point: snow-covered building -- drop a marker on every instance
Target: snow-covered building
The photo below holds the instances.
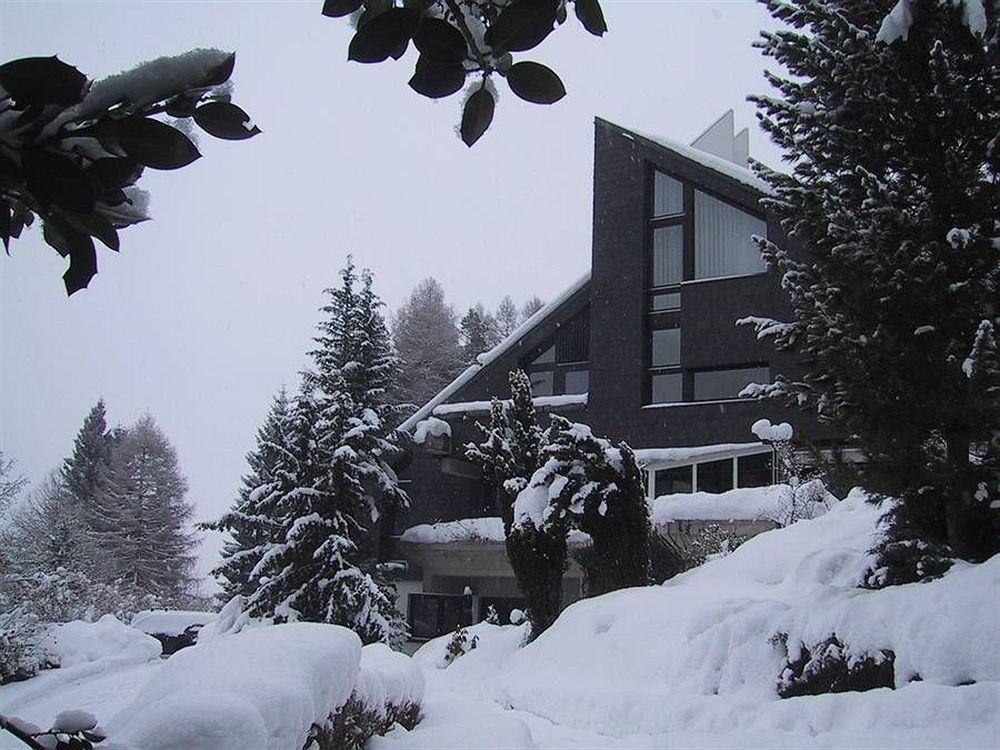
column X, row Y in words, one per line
column 643, row 347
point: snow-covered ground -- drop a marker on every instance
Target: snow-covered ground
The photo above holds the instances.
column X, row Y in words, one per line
column 692, row 663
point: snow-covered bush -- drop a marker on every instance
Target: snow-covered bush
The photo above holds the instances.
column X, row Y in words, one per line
column 71, row 730
column 829, row 667
column 264, row 688
column 459, row 645
column 107, row 640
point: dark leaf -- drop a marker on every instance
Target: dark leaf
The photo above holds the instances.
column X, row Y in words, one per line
column 477, row 115
column 114, row 198
column 377, row 39
column 155, row 144
column 591, row 16
column 115, row 173
column 535, row 83
column 5, row 224
column 440, row 42
column 42, row 80
column 96, row 226
column 183, row 105
column 372, row 9
column 338, row 8
column 522, row 25
column 436, row 81
column 400, row 50
column 221, row 72
column 56, row 180
column 225, row 120
column 21, row 217
column 82, row 263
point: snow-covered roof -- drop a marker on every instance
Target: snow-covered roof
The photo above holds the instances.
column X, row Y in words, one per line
column 472, row 407
column 487, row 357
column 690, row 454
column 705, row 159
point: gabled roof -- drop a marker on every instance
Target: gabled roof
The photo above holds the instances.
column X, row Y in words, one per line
column 486, row 358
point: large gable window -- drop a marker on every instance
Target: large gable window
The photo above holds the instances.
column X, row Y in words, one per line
column 560, row 365
column 723, row 244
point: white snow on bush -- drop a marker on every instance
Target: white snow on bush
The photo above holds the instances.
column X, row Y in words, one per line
column 108, row 640
column 774, row 433
column 695, row 657
column 539, row 402
column 489, row 529
column 432, row 426
column 231, row 619
column 171, row 622
column 774, row 503
column 388, row 678
column 261, row 688
column 897, row 23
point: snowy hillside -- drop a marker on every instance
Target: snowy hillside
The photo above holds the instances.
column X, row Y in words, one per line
column 696, row 660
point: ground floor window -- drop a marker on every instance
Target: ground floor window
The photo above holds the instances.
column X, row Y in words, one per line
column 715, row 476
column 431, row 615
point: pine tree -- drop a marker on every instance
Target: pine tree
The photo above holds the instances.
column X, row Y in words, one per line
column 479, row 332
column 251, row 523
column 507, row 317
column 84, row 472
column 596, row 487
column 321, row 562
column 144, row 508
column 892, row 203
column 426, row 340
column 509, row 455
column 530, row 307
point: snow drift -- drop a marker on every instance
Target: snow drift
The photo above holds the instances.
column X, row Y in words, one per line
column 261, row 688
column 699, row 655
column 106, row 641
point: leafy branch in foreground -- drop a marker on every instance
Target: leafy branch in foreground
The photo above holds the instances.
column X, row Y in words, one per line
column 457, row 39
column 72, row 150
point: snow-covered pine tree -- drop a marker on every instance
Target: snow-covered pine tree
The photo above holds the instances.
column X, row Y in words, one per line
column 323, row 564
column 596, row 487
column 84, row 472
column 252, row 521
column 144, row 508
column 890, row 125
column 479, row 332
column 509, row 455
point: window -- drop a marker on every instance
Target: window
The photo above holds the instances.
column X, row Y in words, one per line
column 668, row 195
column 666, row 347
column 431, row 615
column 672, row 481
column 545, row 358
column 541, row 383
column 754, row 471
column 722, row 239
column 667, row 388
column 717, row 385
column 576, row 381
column 715, row 476
column 668, row 255
column 664, row 302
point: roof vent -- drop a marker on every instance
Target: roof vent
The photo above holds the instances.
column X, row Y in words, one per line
column 720, row 139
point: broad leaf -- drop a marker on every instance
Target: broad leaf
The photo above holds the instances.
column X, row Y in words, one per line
column 338, row 8
column 440, row 42
column 5, row 224
column 436, row 81
column 154, row 143
column 477, row 115
column 56, row 180
column 221, row 72
column 42, row 80
column 96, row 226
column 183, row 105
column 378, row 38
column 535, row 83
column 225, row 120
column 522, row 25
column 591, row 16
column 80, row 249
column 115, row 173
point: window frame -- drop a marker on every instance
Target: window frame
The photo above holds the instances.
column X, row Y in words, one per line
column 733, row 458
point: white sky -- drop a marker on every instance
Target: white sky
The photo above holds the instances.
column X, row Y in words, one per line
column 210, row 307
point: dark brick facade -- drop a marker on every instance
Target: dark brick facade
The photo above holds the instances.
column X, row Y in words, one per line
column 623, row 164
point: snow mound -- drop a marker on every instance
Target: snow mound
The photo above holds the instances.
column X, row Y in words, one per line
column 171, row 622
column 432, row 426
column 489, row 529
column 494, row 644
column 261, row 688
column 456, row 722
column 231, row 619
column 774, row 503
column 388, row 678
column 108, row 641
column 699, row 654
column 774, row 433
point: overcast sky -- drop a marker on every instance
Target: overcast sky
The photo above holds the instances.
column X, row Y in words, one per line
column 209, row 308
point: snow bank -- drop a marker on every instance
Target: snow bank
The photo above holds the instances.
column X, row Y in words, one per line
column 774, row 503
column 261, row 688
column 696, row 656
column 107, row 640
column 171, row 622
column 432, row 426
column 388, row 679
